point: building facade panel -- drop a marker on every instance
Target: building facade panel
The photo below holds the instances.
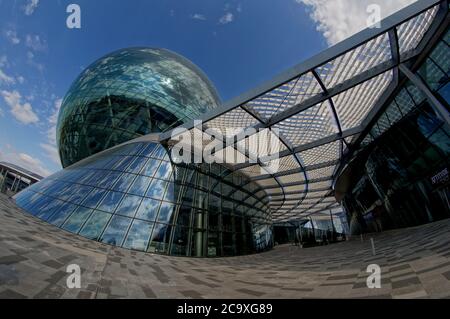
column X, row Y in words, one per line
column 400, row 176
column 134, row 197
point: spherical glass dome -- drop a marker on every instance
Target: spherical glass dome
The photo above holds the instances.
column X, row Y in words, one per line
column 127, row 94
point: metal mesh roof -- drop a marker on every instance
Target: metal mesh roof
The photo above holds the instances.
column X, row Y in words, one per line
column 317, row 107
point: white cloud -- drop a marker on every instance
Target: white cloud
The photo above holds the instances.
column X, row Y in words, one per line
column 198, row 16
column 6, row 79
column 20, row 79
column 340, row 19
column 24, row 160
column 35, row 42
column 227, row 18
column 12, row 37
column 50, row 147
column 52, row 121
column 30, row 61
column 33, row 164
column 29, row 8
column 57, row 107
column 22, row 112
column 51, row 153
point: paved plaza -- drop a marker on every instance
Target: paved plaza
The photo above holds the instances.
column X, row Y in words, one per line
column 34, row 257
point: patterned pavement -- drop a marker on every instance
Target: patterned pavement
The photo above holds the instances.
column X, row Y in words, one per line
column 34, row 256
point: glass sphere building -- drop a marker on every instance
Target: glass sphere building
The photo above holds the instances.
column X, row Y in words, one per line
column 127, row 94
column 129, row 193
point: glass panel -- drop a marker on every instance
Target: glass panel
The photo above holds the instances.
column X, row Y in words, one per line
column 116, row 230
column 214, row 203
column 160, row 153
column 110, row 202
column 136, row 148
column 139, row 235
column 96, row 177
column 170, row 193
column 404, row 102
column 137, row 165
column 77, row 219
column 38, row 202
column 415, row 93
column 180, row 241
column 95, row 225
column 53, row 205
column 441, row 55
column 78, row 193
column 445, row 92
column 431, row 74
column 148, row 209
column 148, row 150
column 64, row 191
column 129, row 205
column 213, row 244
column 123, row 165
column 201, row 199
column 150, row 168
column 393, row 113
column 109, row 180
column 140, row 185
column 234, row 119
column 22, row 197
column 411, row 32
column 226, row 223
column 164, row 171
column 228, row 244
column 166, row 213
column 184, row 216
column 160, row 239
column 94, row 198
column 355, row 104
column 156, row 189
column 213, row 221
column 360, row 59
column 124, row 182
column 310, row 125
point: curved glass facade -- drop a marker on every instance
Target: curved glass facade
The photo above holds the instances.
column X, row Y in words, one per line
column 134, row 197
column 400, row 177
column 127, row 94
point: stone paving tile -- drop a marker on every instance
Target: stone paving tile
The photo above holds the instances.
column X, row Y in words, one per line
column 34, row 255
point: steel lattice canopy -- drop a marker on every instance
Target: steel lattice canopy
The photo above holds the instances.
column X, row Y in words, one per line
column 318, row 108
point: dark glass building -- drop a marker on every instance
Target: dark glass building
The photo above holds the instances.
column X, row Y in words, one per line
column 399, row 176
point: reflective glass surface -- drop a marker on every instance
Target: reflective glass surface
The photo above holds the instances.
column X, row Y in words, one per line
column 142, row 201
column 126, row 94
column 401, row 173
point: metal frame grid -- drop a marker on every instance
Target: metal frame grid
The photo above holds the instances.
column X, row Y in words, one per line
column 317, row 108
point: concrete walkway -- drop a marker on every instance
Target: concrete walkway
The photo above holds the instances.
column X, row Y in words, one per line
column 34, row 257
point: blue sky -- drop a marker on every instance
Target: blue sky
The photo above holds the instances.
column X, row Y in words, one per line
column 238, row 44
